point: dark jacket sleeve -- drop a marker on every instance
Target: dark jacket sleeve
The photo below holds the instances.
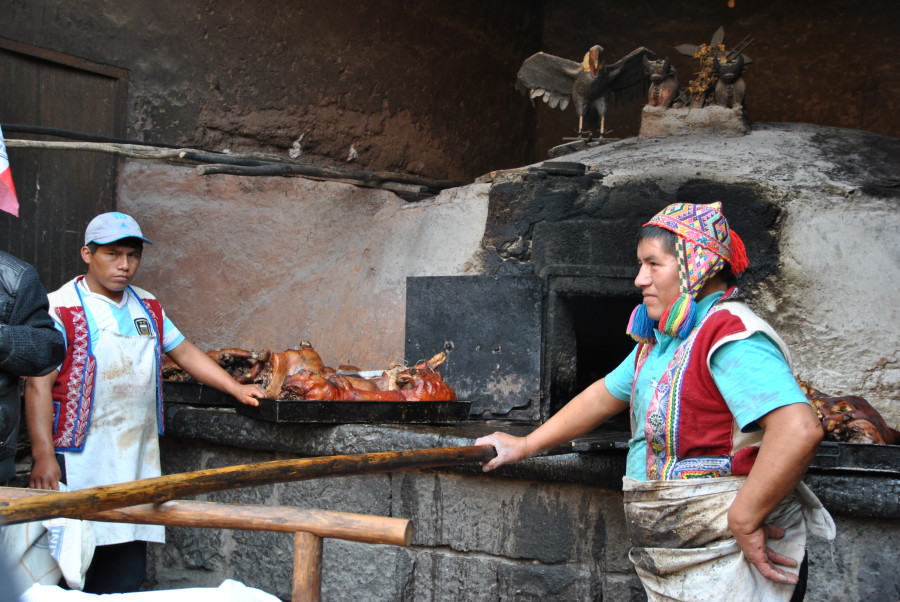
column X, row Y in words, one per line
column 30, row 345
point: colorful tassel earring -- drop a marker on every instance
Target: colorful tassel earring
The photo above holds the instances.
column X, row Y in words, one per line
column 640, row 326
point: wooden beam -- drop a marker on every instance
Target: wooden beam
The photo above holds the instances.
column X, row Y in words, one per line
column 160, row 489
column 247, row 165
column 286, row 519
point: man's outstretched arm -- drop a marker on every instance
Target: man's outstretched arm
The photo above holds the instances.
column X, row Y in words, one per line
column 203, row 368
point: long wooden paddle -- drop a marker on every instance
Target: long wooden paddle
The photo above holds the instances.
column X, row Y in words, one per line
column 160, row 489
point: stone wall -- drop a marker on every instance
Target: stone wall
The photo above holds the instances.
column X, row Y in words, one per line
column 550, row 528
column 475, row 538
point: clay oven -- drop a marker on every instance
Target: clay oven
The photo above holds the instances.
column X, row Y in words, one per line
column 550, row 318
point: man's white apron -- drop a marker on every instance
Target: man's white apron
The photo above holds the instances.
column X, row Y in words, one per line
column 122, row 442
column 683, row 549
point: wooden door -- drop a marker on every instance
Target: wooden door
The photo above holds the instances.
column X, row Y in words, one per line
column 59, row 191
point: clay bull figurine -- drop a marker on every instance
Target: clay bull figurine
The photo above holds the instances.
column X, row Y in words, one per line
column 663, row 82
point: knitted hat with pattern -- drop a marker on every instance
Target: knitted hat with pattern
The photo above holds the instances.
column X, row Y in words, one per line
column 705, row 244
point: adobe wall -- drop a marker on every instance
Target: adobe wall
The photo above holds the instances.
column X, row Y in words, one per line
column 813, row 62
column 410, row 87
column 269, row 262
column 427, row 88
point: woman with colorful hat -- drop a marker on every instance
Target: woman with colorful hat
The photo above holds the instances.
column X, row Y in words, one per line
column 721, row 432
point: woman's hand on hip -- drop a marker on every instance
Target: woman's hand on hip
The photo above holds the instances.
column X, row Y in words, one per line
column 764, row 558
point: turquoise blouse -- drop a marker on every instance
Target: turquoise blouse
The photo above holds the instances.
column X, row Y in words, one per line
column 736, row 367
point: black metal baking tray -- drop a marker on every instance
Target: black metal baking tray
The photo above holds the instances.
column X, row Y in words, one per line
column 195, row 394
column 324, row 412
column 862, row 457
column 366, row 412
column 832, row 456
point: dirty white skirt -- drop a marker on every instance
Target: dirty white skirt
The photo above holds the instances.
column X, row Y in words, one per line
column 683, row 549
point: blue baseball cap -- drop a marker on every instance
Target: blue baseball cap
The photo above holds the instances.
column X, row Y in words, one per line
column 112, row 226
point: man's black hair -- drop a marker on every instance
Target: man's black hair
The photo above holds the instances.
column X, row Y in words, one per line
column 669, row 239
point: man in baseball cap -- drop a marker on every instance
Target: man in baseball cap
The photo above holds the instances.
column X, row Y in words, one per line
column 96, row 419
column 113, row 226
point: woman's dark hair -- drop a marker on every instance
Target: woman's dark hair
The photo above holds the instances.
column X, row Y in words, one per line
column 669, row 239
column 132, row 242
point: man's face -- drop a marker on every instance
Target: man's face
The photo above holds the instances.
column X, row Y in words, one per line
column 111, row 268
column 657, row 277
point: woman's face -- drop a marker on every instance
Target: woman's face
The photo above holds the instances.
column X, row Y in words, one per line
column 657, row 277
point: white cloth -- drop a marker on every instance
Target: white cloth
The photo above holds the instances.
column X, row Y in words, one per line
column 683, row 549
column 122, row 443
column 27, row 553
column 228, row 591
column 45, row 551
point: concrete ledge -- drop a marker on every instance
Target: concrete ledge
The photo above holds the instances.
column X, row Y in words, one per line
column 597, row 461
column 657, row 122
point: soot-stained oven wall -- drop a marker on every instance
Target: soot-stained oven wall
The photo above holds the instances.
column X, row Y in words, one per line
column 561, row 254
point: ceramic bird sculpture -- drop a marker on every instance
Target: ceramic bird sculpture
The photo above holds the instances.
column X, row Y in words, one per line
column 588, row 84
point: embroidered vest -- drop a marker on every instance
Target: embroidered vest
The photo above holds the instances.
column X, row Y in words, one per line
column 689, row 429
column 73, row 390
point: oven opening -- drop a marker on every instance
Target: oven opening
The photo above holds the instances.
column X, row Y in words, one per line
column 587, row 339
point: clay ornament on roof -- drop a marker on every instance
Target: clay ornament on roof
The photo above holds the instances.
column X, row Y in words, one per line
column 720, row 79
column 588, row 84
column 664, row 88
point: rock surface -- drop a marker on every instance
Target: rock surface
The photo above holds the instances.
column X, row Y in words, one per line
column 658, row 121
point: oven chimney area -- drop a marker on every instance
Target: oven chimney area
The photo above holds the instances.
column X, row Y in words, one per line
column 547, row 316
column 586, row 309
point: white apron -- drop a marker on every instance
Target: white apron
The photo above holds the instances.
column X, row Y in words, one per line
column 683, row 549
column 122, row 442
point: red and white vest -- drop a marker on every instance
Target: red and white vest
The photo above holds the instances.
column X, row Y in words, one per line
column 73, row 391
column 689, row 429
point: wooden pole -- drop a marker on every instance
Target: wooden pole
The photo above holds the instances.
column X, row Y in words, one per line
column 242, row 165
column 325, row 171
column 134, row 151
column 307, row 585
column 160, row 489
column 286, row 519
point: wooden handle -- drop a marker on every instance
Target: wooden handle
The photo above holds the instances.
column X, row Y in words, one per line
column 160, row 489
column 289, row 519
